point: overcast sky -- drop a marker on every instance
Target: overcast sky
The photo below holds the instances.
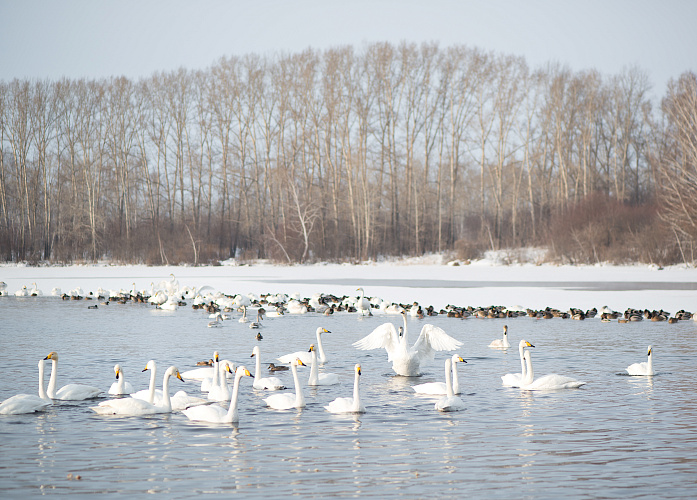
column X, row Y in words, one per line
column 135, row 38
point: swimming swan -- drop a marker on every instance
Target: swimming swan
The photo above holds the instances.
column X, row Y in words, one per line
column 546, row 382
column 407, row 360
column 514, row 379
column 265, row 383
column 441, row 387
column 286, row 401
column 70, row 392
column 363, row 304
column 501, row 343
column 349, row 405
column 450, row 402
column 27, row 403
column 305, row 356
column 179, row 401
column 644, row 368
column 220, row 391
column 208, row 382
column 216, row 413
column 136, row 407
column 121, row 386
column 317, row 378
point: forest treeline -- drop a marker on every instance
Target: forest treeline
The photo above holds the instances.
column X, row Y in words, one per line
column 346, row 155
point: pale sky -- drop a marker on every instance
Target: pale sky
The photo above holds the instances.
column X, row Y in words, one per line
column 135, row 38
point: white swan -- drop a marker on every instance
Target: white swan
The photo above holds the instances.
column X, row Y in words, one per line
column 209, row 382
column 220, row 391
column 442, row 387
column 450, row 402
column 317, row 378
column 202, row 373
column 363, row 304
column 244, row 319
column 27, row 403
column 501, row 343
column 265, row 383
column 218, row 321
column 23, row 403
column 70, row 392
column 407, row 360
column 546, row 382
column 306, row 356
column 286, row 401
column 514, row 379
column 349, row 405
column 121, row 386
column 179, row 401
column 643, row 368
column 216, row 413
column 134, row 406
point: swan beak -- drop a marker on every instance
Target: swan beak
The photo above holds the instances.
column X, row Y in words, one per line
column 117, row 374
column 649, row 354
column 325, row 330
column 358, row 370
column 179, row 376
column 461, row 360
column 246, row 373
column 144, row 369
column 252, row 355
column 312, row 348
column 529, row 344
column 300, row 363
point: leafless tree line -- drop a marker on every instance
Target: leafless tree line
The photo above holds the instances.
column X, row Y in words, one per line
column 338, row 155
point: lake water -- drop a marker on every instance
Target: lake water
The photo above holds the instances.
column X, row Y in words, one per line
column 616, row 437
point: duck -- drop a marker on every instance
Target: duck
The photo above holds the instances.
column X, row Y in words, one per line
column 406, row 360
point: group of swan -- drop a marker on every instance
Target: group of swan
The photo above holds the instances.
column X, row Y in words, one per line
column 406, row 360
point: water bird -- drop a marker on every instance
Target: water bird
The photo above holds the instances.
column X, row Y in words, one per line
column 450, row 402
column 644, row 368
column 349, row 404
column 264, row 383
column 216, row 413
column 546, row 382
column 121, row 386
column 406, row 360
column 286, row 401
column 70, row 392
column 317, row 378
column 501, row 343
column 154, row 396
column 515, row 379
column 306, row 356
column 442, row 387
column 277, row 368
column 135, row 407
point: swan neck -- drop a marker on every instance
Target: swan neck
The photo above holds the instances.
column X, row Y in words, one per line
column 166, row 403
column 521, row 350
column 299, row 398
column 151, row 394
column 42, row 391
column 216, row 374
column 456, row 380
column 448, row 382
column 356, row 394
column 529, row 373
column 52, row 382
column 231, row 415
column 257, row 367
column 322, row 356
column 314, row 371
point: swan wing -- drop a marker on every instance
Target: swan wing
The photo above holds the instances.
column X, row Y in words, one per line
column 304, row 356
column 23, row 403
column 384, row 336
column 431, row 339
column 211, row 413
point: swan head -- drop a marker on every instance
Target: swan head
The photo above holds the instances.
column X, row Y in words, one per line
column 216, row 357
column 53, row 355
column 242, row 372
column 117, row 370
column 358, row 368
column 299, row 362
column 505, row 330
column 525, row 343
column 650, row 349
column 401, row 331
column 458, row 359
column 255, row 351
column 173, row 371
column 228, row 366
column 322, row 330
column 312, row 348
column 150, row 365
